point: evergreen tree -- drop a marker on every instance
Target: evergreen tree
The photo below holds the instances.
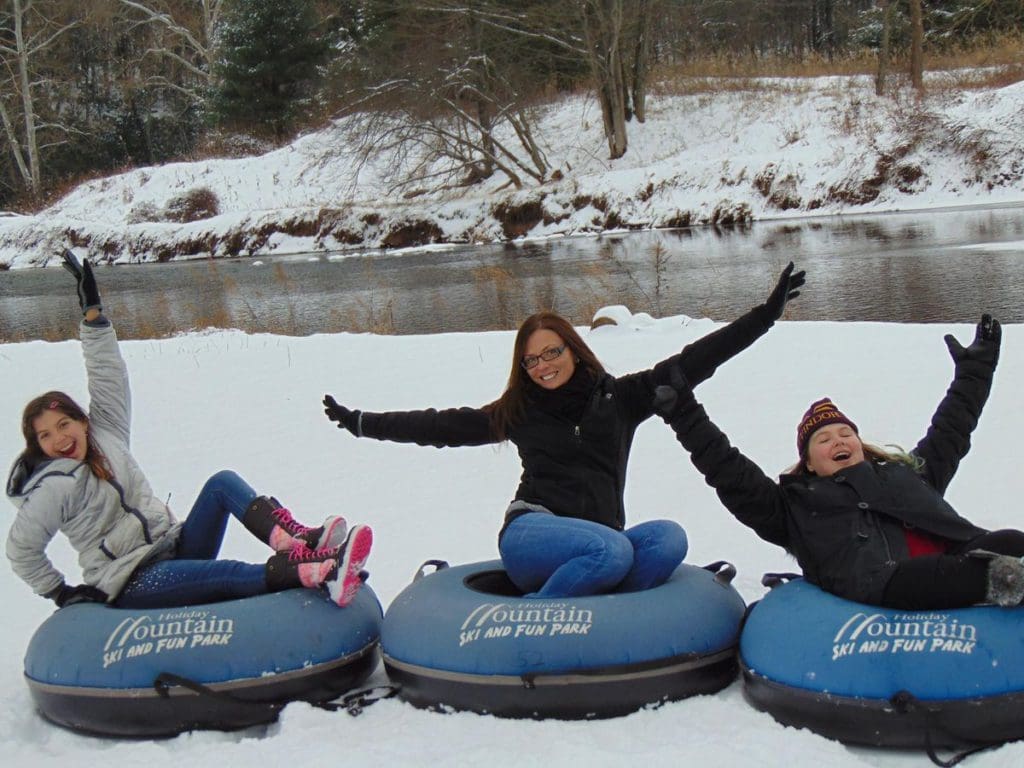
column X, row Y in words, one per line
column 269, row 57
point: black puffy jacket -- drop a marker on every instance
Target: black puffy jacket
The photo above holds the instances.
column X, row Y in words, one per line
column 847, row 530
column 574, row 444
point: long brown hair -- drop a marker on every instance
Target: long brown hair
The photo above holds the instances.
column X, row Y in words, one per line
column 508, row 409
column 58, row 401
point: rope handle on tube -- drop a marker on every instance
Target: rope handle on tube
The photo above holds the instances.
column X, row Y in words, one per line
column 164, row 681
column 905, row 702
column 439, row 565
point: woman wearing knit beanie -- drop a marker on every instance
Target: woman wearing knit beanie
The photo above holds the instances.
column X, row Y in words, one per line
column 867, row 524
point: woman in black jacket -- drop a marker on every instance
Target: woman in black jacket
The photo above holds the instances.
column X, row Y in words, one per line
column 573, row 425
column 864, row 523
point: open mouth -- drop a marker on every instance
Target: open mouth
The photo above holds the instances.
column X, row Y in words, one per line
column 549, row 376
column 841, row 456
column 69, row 451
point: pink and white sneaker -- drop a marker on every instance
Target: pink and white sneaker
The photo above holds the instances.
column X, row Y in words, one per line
column 346, row 582
column 333, row 533
column 303, row 566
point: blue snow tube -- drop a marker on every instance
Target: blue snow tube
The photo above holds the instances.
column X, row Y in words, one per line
column 464, row 638
column 119, row 672
column 885, row 677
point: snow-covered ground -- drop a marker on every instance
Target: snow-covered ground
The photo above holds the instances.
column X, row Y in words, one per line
column 779, row 148
column 252, row 403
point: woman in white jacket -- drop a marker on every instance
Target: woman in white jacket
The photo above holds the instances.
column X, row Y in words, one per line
column 77, row 476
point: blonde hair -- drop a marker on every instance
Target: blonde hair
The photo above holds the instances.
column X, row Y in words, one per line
column 890, row 454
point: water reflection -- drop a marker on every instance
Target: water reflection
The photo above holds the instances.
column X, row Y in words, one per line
column 935, row 266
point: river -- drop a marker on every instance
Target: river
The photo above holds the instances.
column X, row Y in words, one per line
column 929, row 266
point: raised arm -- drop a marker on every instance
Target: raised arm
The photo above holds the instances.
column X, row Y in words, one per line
column 949, row 436
column 750, row 495
column 700, row 359
column 448, row 428
column 110, row 403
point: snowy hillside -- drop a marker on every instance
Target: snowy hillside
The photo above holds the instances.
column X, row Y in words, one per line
column 783, row 148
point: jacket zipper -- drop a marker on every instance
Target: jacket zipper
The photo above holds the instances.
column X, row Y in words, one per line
column 146, row 535
column 885, row 539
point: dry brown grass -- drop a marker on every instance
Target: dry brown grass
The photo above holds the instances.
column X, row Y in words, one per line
column 990, row 63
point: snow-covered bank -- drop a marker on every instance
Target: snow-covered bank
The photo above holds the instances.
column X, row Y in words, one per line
column 252, row 403
column 785, row 148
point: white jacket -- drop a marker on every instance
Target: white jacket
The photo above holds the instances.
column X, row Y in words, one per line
column 114, row 526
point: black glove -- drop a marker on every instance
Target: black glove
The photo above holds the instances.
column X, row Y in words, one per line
column 785, row 290
column 345, row 418
column 984, row 348
column 88, row 293
column 670, row 398
column 64, row 595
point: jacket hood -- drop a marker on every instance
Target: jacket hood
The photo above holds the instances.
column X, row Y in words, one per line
column 24, row 477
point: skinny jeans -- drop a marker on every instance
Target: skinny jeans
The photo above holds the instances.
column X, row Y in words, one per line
column 550, row 556
column 194, row 575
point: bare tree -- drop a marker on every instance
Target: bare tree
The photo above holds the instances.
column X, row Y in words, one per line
column 640, row 30
column 183, row 33
column 602, row 36
column 27, row 35
column 451, row 95
column 611, row 37
column 886, row 9
column 916, row 46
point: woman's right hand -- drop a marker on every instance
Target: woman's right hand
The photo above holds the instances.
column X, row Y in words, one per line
column 83, row 593
column 342, row 416
column 88, row 292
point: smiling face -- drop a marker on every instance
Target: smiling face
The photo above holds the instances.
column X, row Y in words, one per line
column 549, row 374
column 833, row 447
column 60, row 436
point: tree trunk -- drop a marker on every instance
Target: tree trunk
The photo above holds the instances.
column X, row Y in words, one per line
column 916, row 46
column 26, row 148
column 885, row 6
column 641, row 57
column 602, row 26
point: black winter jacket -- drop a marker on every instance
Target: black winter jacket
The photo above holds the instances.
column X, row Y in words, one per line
column 847, row 530
column 574, row 444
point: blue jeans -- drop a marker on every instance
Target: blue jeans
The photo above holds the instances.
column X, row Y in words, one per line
column 194, row 575
column 550, row 556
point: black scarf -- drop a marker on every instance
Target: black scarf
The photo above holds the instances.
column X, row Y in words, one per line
column 568, row 401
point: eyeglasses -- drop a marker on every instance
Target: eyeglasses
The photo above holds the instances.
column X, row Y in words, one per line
column 530, row 361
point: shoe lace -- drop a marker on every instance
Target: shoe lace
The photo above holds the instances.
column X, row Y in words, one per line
column 302, row 553
column 285, row 520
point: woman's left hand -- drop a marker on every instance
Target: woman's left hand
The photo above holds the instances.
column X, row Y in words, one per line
column 670, row 399
column 88, row 292
column 985, row 347
column 785, row 290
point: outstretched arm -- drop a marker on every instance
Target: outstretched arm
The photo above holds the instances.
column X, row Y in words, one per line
column 699, row 360
column 949, row 436
column 750, row 495
column 447, row 428
column 110, row 402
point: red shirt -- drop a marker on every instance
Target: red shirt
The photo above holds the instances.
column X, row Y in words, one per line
column 922, row 543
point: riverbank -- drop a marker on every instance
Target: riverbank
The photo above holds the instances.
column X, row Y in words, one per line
column 780, row 148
